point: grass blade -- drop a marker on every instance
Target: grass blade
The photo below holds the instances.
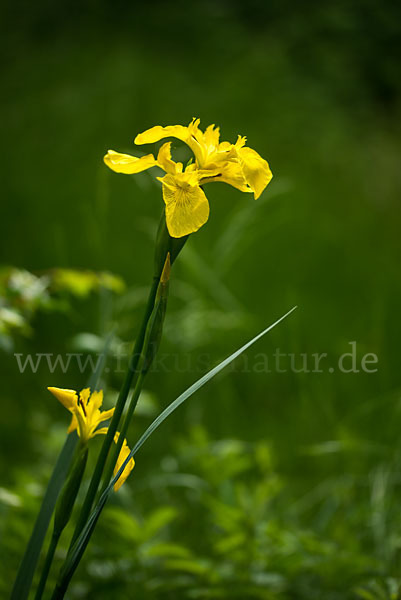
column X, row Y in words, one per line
column 30, row 559
column 196, row 386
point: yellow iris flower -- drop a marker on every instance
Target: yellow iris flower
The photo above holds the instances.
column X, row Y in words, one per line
column 86, row 417
column 187, row 208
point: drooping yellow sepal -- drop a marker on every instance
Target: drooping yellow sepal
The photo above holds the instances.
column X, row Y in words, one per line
column 165, row 161
column 123, row 455
column 256, row 170
column 187, row 208
column 68, row 398
column 157, row 133
column 125, row 163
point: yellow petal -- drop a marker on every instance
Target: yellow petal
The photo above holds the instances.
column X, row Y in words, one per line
column 124, row 452
column 83, row 427
column 68, row 398
column 92, row 401
column 241, row 141
column 185, row 134
column 157, row 133
column 211, row 136
column 225, row 146
column 101, row 431
column 125, row 163
column 256, row 170
column 187, row 208
column 84, row 396
column 73, row 425
column 165, row 162
column 228, row 172
column 92, row 414
column 193, row 127
column 105, row 415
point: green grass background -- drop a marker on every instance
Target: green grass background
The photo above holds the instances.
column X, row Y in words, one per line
column 306, row 502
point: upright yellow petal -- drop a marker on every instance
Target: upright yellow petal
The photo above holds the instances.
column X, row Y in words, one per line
column 91, row 405
column 124, row 452
column 125, row 163
column 84, row 426
column 92, row 402
column 256, row 170
column 84, row 396
column 241, row 141
column 165, row 161
column 211, row 136
column 68, row 398
column 193, row 126
column 187, row 208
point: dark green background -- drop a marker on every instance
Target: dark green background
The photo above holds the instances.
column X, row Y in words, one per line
column 315, row 87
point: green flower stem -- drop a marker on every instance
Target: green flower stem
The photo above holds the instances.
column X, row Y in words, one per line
column 164, row 244
column 116, row 451
column 63, row 510
column 122, row 399
column 151, row 343
column 48, row 563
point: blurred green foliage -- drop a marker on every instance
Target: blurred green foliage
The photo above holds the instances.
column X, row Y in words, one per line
column 22, row 294
column 267, row 484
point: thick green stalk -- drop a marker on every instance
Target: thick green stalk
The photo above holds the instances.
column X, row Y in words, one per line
column 116, row 450
column 151, row 344
column 48, row 563
column 122, row 399
column 63, row 510
column 165, row 245
column 60, row 590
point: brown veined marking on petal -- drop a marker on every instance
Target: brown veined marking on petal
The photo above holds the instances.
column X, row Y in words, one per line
column 80, row 403
column 207, row 179
column 182, row 197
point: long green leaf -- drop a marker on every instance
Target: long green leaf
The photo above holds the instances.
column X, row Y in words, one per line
column 26, row 571
column 194, row 388
column 79, row 547
column 29, row 561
